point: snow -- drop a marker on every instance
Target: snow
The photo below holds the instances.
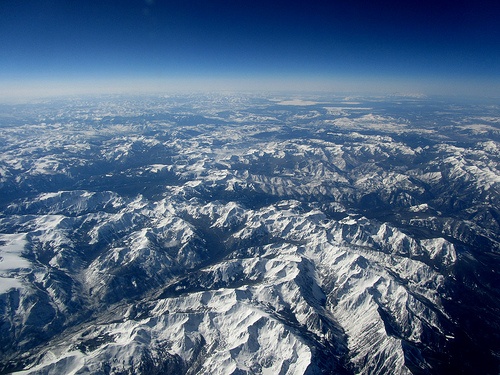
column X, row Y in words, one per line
column 11, row 261
column 71, row 364
column 419, row 208
column 155, row 168
column 238, row 258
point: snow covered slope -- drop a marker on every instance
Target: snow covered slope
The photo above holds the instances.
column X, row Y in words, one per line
column 250, row 235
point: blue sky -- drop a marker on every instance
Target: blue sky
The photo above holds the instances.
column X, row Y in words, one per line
column 379, row 44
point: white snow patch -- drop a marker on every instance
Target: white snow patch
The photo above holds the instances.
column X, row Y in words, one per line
column 155, row 168
column 11, row 248
column 419, row 208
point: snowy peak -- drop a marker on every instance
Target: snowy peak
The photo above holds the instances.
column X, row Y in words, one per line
column 225, row 234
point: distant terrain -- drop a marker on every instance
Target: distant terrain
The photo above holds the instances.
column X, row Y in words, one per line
column 247, row 234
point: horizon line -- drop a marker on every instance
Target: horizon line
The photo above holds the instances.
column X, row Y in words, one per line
column 31, row 89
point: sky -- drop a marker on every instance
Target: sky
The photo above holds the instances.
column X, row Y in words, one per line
column 59, row 46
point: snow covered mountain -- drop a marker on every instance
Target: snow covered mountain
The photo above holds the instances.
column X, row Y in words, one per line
column 212, row 234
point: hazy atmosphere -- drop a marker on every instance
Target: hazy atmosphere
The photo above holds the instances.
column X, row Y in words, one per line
column 59, row 47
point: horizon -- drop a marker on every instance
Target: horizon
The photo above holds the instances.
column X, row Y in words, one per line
column 432, row 48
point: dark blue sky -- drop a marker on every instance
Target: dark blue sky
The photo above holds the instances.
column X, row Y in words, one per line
column 454, row 43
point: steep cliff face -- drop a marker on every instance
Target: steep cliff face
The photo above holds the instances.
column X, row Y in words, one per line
column 244, row 236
